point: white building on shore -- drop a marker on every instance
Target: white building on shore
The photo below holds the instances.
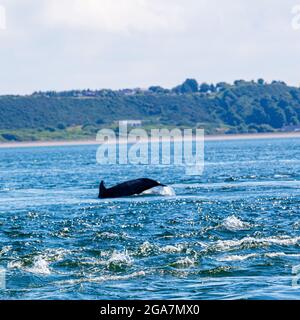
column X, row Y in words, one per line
column 130, row 123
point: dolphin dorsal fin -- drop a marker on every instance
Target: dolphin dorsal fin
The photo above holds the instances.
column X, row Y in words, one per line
column 102, row 189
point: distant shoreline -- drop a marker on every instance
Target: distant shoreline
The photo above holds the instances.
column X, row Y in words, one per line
column 227, row 137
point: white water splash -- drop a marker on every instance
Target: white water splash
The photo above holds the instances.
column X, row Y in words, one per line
column 120, row 258
column 40, row 266
column 162, row 191
column 41, row 263
column 232, row 223
column 14, row 265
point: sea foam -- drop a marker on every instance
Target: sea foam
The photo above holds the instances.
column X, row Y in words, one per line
column 233, row 223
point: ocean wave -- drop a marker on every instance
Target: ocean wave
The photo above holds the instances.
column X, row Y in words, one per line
column 172, row 249
column 250, row 242
column 218, row 270
column 242, row 184
column 112, row 236
column 237, row 257
column 257, row 255
column 232, row 223
column 5, row 249
column 275, row 254
column 103, row 278
column 146, row 249
column 119, row 261
column 39, row 264
column 282, row 254
column 184, row 262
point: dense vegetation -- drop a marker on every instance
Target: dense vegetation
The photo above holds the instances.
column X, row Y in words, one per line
column 231, row 108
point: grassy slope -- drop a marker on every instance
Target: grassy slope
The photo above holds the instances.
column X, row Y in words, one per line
column 240, row 108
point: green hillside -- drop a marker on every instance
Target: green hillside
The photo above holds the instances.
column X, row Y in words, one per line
column 238, row 108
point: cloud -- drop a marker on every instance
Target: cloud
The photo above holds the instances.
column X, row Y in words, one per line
column 117, row 16
column 65, row 44
column 2, row 18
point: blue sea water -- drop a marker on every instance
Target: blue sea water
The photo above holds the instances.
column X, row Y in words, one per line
column 232, row 233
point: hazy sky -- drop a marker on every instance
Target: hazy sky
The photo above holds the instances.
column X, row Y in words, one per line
column 64, row 44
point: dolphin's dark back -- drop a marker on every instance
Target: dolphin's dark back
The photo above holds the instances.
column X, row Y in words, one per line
column 127, row 188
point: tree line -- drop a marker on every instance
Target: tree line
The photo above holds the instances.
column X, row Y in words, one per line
column 244, row 106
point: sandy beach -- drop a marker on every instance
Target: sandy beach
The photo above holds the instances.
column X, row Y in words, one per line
column 279, row 135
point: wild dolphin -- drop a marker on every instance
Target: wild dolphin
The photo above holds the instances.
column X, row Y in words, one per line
column 127, row 188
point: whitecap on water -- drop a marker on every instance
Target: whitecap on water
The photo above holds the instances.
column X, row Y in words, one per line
column 275, row 254
column 40, row 263
column 233, row 223
column 282, row 254
column 184, row 262
column 5, row 250
column 116, row 278
column 250, row 242
column 255, row 255
column 172, row 249
column 119, row 260
column 104, row 278
column 111, row 236
column 237, row 257
column 15, row 265
column 146, row 248
column 40, row 266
